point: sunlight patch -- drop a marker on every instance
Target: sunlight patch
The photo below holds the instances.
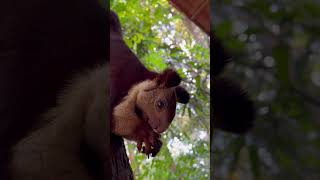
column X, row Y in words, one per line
column 177, row 147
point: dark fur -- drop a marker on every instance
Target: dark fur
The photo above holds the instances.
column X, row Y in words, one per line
column 233, row 111
column 169, row 78
column 182, row 95
column 232, row 108
column 42, row 43
column 125, row 68
column 220, row 57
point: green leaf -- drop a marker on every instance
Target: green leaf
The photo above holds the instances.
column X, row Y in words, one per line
column 156, row 60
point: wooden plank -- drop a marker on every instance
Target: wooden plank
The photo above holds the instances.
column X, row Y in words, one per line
column 198, row 11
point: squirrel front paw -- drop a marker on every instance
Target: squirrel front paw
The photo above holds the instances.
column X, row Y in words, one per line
column 156, row 148
column 151, row 141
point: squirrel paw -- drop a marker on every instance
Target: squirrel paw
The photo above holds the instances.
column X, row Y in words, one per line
column 151, row 141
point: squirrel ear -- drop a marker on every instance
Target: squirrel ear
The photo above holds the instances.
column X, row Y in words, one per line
column 233, row 111
column 168, row 78
column 182, row 95
column 221, row 57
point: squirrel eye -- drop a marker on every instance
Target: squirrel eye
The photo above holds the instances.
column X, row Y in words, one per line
column 160, row 104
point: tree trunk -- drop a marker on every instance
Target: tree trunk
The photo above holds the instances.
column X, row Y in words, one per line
column 120, row 166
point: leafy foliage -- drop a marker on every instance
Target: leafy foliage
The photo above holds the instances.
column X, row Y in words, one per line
column 162, row 38
column 276, row 50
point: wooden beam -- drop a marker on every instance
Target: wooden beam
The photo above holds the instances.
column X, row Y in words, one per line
column 198, row 11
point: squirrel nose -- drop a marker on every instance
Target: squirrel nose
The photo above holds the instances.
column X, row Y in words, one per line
column 161, row 128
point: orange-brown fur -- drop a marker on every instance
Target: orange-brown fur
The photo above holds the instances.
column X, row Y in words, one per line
column 156, row 100
column 129, row 125
column 124, row 116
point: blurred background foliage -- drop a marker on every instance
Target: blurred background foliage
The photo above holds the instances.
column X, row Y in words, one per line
column 161, row 37
column 276, row 51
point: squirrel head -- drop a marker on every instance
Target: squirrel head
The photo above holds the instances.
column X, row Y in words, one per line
column 156, row 100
